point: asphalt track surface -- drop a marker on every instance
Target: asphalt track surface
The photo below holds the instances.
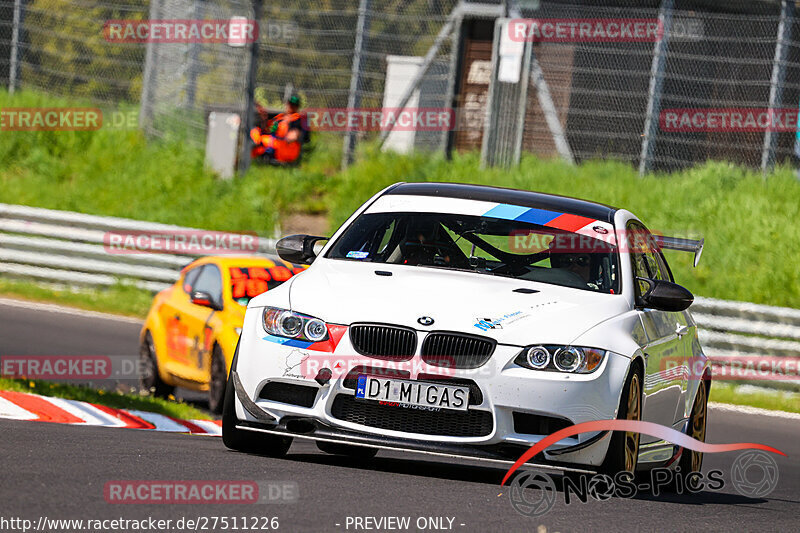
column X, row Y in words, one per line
column 59, row 471
column 25, row 330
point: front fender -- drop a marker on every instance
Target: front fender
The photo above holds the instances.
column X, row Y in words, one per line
column 623, row 334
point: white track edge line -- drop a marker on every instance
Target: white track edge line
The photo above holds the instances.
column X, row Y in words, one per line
column 53, row 308
column 746, row 409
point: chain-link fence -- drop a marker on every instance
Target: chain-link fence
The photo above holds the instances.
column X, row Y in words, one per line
column 658, row 103
column 709, row 61
column 184, row 81
column 58, row 46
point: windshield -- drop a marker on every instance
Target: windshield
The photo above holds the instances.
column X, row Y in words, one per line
column 483, row 245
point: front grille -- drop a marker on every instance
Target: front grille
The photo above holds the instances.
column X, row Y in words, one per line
column 447, row 423
column 530, row 424
column 301, row 395
column 392, row 343
column 456, row 350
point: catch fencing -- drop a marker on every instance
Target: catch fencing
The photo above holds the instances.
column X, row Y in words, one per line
column 71, row 249
column 658, row 103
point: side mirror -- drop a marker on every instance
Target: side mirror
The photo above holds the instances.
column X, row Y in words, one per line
column 664, row 295
column 298, row 248
column 204, row 299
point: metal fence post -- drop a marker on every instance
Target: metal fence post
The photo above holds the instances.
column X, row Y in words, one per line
column 354, row 97
column 657, row 70
column 14, row 60
column 194, row 65
column 549, row 110
column 776, row 81
column 427, row 61
column 455, row 53
column 248, row 120
column 149, row 76
column 488, row 144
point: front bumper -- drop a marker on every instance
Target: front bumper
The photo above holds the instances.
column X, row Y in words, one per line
column 501, row 455
column 505, row 393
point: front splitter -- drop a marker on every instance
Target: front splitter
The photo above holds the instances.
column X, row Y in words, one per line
column 309, row 429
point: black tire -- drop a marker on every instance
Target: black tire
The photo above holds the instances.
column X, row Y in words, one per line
column 247, row 441
column 356, row 452
column 692, row 461
column 149, row 378
column 623, row 450
column 217, row 381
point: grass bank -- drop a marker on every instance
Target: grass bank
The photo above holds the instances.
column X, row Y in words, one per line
column 774, row 400
column 119, row 299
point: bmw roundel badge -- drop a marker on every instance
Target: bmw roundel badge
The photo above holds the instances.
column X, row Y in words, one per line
column 425, row 320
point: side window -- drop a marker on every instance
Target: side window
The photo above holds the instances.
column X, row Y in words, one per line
column 652, row 264
column 210, row 281
column 639, row 271
column 645, row 257
column 666, row 273
column 190, row 278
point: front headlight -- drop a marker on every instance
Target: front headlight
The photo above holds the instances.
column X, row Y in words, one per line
column 567, row 359
column 285, row 323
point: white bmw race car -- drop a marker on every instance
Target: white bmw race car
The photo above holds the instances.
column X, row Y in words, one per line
column 473, row 321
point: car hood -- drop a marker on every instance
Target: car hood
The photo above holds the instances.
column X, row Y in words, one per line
column 345, row 292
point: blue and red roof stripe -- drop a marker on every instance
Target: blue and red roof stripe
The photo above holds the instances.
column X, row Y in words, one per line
column 541, row 217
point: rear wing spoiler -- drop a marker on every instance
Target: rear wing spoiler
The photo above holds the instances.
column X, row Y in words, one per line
column 681, row 245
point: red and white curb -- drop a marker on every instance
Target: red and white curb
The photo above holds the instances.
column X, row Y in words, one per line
column 24, row 406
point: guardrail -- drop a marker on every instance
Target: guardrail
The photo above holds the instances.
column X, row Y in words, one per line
column 731, row 331
column 68, row 248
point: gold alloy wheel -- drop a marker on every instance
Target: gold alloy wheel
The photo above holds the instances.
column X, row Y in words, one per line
column 634, row 413
column 699, row 425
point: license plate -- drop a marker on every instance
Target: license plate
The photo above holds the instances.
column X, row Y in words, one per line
column 413, row 393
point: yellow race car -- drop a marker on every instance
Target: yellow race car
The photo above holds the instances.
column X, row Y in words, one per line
column 191, row 331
